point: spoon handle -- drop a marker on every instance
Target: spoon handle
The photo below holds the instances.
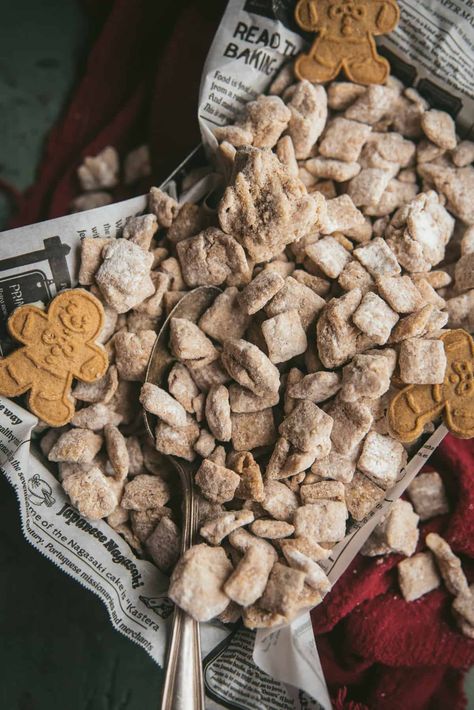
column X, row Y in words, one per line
column 184, row 688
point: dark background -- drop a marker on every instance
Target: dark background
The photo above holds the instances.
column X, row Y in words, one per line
column 58, row 650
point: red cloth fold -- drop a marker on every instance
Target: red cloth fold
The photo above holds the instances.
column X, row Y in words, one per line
column 140, row 84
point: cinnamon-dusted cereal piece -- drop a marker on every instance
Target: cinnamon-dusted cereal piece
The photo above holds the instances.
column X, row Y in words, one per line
column 375, row 318
column 145, row 491
column 371, row 106
column 317, row 284
column 331, row 169
column 464, row 273
column 287, row 460
column 225, row 319
column 191, row 220
column 295, row 296
column 417, row 576
column 381, row 459
column 428, row 495
column 217, row 483
column 196, row 584
column 397, row 532
column 336, row 336
column 124, row 275
column 96, row 417
column 100, row 171
column 280, row 502
column 343, row 139
column 260, row 290
column 362, row 496
column 317, row 387
column 182, row 386
column 248, row 581
column 439, row 128
column 463, row 154
column 91, row 492
column 461, row 311
column 366, row 188
column 205, row 444
column 284, row 336
column 351, row 422
column 365, row 376
column 285, row 151
column 334, row 466
column 251, row 483
column 400, row 293
column 448, row 564
column 157, row 401
column 306, row 546
column 308, row 428
column 324, row 520
column 422, row 362
column 207, row 375
column 218, row 412
column 463, row 612
column 116, row 447
column 308, row 106
column 315, row 576
column 250, row 367
column 220, row 525
column 177, row 441
column 329, row 255
column 396, row 194
column 164, row 544
column 325, row 490
column 102, row 390
column 91, row 258
column 243, row 400
column 133, row 351
column 283, row 589
column 254, row 617
column 341, row 94
column 251, row 430
column 354, row 275
column 163, row 206
column 264, row 207
column 414, row 325
column 189, row 343
column 343, row 216
column 208, row 258
column 145, row 521
column 76, row 446
column 378, row 258
column 141, row 230
column 292, row 378
column 271, row 529
column 262, row 123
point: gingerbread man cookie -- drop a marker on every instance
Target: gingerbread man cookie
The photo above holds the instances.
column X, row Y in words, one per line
column 416, row 405
column 58, row 346
column 346, row 30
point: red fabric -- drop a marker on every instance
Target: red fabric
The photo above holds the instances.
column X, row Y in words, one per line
column 383, row 653
column 140, row 84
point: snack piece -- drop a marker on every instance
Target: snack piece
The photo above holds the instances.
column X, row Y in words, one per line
column 124, row 275
column 177, row 441
column 351, row 422
column 251, row 483
column 145, row 491
column 448, row 564
column 295, row 296
column 400, row 293
column 417, row 576
column 91, row 492
column 280, row 502
column 362, row 496
column 439, row 128
column 132, row 353
column 217, row 483
column 96, row 417
column 463, row 610
column 397, row 532
column 141, row 230
column 428, row 495
column 283, row 589
column 249, row 579
column 196, row 583
column 208, row 258
column 331, row 169
column 381, row 459
column 260, row 290
column 335, row 47
column 336, row 336
column 218, row 526
column 378, row 258
column 225, row 319
column 321, row 521
column 334, row 466
column 343, row 139
column 163, row 206
column 253, row 429
column 116, row 447
column 422, row 362
column 264, row 207
column 76, row 446
column 325, row 490
column 164, row 544
column 308, row 428
column 366, row 375
column 284, row 336
column 100, row 391
column 272, row 529
column 99, row 171
column 56, row 347
column 308, row 106
column 329, row 255
column 182, row 386
column 250, row 367
column 317, row 387
column 157, row 401
column 218, row 414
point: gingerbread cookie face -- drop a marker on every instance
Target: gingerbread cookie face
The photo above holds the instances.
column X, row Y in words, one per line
column 58, row 345
column 346, row 30
column 416, row 405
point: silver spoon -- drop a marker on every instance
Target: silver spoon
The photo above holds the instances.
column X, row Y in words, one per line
column 183, row 687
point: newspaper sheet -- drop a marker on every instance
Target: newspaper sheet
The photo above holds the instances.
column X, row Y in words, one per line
column 431, row 49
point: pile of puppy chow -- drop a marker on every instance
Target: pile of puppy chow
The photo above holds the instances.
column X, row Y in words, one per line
column 343, row 247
